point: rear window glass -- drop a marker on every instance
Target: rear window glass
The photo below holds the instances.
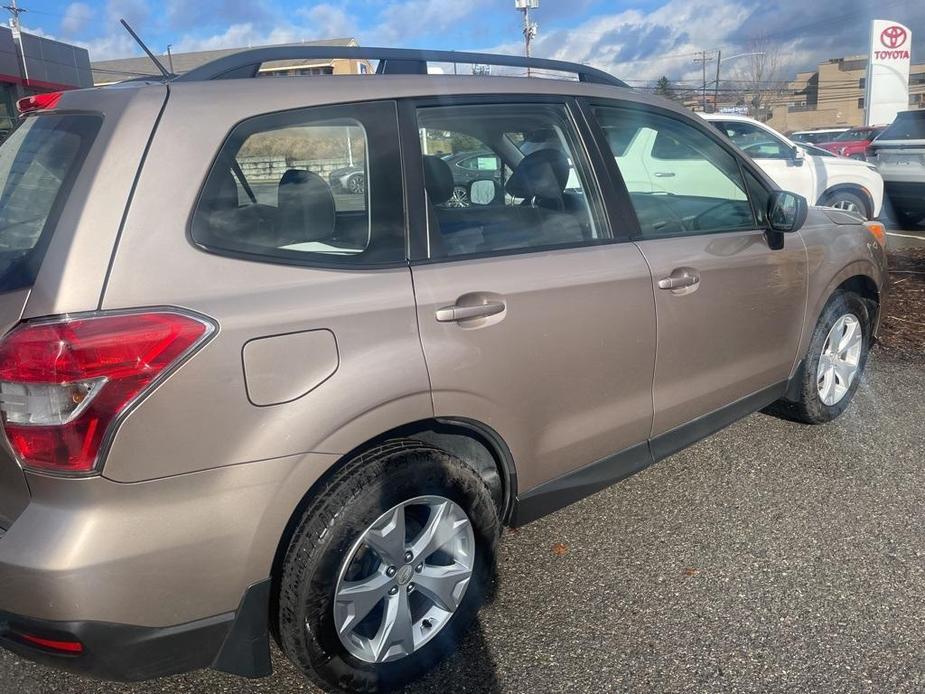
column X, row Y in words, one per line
column 38, row 164
column 311, row 186
column 909, row 125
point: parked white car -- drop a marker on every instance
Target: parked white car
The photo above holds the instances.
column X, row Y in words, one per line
column 822, row 179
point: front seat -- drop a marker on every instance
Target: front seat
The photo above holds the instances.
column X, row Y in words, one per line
column 540, row 180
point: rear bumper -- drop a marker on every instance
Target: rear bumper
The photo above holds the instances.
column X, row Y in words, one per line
column 236, row 642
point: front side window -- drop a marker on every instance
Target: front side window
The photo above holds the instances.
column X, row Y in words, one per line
column 680, row 180
column 521, row 181
column 317, row 185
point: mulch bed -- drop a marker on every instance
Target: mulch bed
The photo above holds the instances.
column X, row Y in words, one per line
column 902, row 331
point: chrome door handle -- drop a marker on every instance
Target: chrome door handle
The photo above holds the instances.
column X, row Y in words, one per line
column 450, row 314
column 664, row 174
column 678, row 282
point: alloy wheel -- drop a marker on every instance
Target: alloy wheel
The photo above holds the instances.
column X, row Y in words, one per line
column 357, row 185
column 459, row 198
column 840, row 360
column 848, row 206
column 403, row 580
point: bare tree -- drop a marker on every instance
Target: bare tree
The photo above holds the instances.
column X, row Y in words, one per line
column 760, row 77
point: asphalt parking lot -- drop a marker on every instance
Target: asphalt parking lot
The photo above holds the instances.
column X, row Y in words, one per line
column 771, row 556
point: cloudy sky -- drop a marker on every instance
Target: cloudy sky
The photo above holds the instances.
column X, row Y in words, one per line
column 635, row 39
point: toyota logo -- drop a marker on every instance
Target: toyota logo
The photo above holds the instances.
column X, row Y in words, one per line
column 893, row 36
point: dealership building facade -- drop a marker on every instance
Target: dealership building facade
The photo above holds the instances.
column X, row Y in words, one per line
column 34, row 64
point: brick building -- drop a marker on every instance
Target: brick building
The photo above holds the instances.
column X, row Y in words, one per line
column 833, row 95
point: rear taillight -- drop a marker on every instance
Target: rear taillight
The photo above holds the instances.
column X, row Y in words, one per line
column 65, row 383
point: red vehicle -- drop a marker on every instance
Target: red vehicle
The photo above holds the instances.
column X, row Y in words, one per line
column 853, row 143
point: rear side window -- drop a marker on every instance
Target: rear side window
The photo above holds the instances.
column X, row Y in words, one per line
column 319, row 185
column 909, row 125
column 38, row 164
column 538, row 195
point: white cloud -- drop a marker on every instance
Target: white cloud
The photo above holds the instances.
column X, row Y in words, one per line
column 330, row 21
column 402, row 21
column 77, row 17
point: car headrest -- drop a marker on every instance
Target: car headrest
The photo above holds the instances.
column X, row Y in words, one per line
column 438, row 179
column 305, row 207
column 542, row 174
column 225, row 195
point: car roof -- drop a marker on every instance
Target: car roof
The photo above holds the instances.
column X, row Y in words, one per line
column 728, row 116
column 316, row 90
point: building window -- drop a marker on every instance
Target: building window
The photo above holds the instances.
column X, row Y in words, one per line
column 862, row 83
column 861, row 103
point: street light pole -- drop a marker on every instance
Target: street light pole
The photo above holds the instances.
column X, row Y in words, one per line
column 720, row 59
column 529, row 27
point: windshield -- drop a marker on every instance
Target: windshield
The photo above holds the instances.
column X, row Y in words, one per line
column 909, row 125
column 853, row 134
column 38, row 163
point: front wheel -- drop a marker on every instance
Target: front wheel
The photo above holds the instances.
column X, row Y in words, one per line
column 834, row 362
column 387, row 568
column 849, row 202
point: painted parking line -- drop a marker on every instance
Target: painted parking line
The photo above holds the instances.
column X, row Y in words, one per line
column 906, row 236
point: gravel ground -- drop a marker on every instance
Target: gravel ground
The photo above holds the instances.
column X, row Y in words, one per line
column 771, row 556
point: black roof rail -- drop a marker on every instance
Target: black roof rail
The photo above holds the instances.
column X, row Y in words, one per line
column 392, row 61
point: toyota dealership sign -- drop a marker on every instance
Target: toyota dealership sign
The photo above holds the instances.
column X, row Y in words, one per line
column 887, row 91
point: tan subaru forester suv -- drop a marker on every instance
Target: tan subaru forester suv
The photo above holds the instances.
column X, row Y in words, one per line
column 281, row 357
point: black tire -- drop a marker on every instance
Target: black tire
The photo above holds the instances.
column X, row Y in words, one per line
column 908, row 219
column 339, row 513
column 809, row 408
column 849, row 197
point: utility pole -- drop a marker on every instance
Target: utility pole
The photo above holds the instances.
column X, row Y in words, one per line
column 529, row 27
column 719, row 59
column 703, row 60
column 17, row 37
column 170, row 58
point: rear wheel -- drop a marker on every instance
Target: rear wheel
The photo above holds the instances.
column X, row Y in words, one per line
column 387, row 568
column 834, row 362
column 908, row 219
column 357, row 184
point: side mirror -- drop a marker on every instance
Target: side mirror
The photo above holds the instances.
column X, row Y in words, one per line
column 798, row 155
column 483, row 191
column 786, row 211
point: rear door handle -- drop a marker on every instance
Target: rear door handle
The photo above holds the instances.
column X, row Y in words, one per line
column 664, row 174
column 450, row 314
column 679, row 279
